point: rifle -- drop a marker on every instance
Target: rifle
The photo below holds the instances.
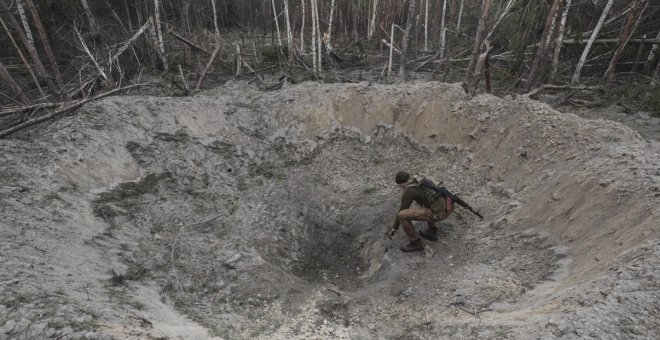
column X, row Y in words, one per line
column 442, row 191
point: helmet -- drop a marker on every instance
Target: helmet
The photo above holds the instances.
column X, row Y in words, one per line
column 402, row 177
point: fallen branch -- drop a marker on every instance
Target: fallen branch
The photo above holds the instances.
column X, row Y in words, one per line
column 14, row 110
column 561, row 87
column 34, row 121
column 208, row 65
column 130, row 41
column 183, row 78
column 187, row 42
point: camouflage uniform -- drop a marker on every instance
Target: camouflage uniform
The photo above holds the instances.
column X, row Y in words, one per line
column 431, row 209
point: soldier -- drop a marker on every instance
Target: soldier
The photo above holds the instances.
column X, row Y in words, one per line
column 432, row 208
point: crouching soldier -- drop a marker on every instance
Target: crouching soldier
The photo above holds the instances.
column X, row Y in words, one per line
column 432, row 208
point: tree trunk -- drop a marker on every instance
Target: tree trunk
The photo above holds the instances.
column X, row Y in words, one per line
column 560, row 38
column 545, row 37
column 289, row 35
column 406, row 38
column 314, row 54
column 90, row 17
column 215, row 18
column 302, row 29
column 318, row 42
column 12, row 83
column 426, row 26
column 443, row 30
column 636, row 11
column 277, row 25
column 372, row 23
column 469, row 81
column 638, row 56
column 460, row 14
column 23, row 59
column 26, row 26
column 328, row 43
column 49, row 52
column 594, row 34
column 159, row 33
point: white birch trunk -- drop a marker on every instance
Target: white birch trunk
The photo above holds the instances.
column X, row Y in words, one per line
column 443, row 30
column 215, row 19
column 319, row 42
column 426, row 26
column 585, row 53
column 328, row 43
column 238, row 60
column 314, row 54
column 389, row 65
column 24, row 21
column 277, row 25
column 460, row 14
column 90, row 16
column 159, row 34
column 560, row 39
column 302, row 29
column 289, row 36
column 372, row 26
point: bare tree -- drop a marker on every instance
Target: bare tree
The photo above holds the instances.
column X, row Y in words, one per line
column 594, row 34
column 406, row 38
column 545, row 37
column 289, row 34
column 426, row 26
column 328, row 38
column 277, row 24
column 470, row 74
column 460, row 14
column 215, row 18
column 49, row 52
column 560, row 38
column 90, row 17
column 159, row 33
column 12, row 83
column 372, row 22
column 302, row 28
column 634, row 15
column 443, row 30
column 23, row 59
column 20, row 4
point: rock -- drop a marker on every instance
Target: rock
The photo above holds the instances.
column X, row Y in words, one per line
column 232, row 260
column 8, row 327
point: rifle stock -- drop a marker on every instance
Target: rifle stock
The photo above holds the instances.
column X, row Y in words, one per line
column 442, row 191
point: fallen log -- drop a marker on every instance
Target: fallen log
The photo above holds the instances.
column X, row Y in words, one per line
column 561, row 87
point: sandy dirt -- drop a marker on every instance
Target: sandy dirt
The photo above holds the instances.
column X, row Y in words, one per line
column 243, row 214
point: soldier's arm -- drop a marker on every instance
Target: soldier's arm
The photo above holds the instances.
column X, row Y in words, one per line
column 406, row 201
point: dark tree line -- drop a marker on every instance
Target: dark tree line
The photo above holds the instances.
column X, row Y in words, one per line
column 63, row 50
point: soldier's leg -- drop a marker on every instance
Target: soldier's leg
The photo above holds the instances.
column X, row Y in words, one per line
column 406, row 217
column 431, row 232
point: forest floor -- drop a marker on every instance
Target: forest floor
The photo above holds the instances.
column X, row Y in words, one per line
column 246, row 214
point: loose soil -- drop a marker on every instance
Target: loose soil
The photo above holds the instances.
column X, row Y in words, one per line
column 244, row 214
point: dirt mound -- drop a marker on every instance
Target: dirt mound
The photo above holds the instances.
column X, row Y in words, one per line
column 244, row 214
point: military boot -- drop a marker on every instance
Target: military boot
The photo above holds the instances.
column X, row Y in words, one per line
column 415, row 245
column 430, row 234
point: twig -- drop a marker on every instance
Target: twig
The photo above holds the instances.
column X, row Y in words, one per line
column 7, row 132
column 173, row 272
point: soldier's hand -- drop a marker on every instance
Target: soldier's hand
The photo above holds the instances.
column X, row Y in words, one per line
column 390, row 233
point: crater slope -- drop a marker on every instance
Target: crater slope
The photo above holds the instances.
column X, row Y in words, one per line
column 241, row 214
